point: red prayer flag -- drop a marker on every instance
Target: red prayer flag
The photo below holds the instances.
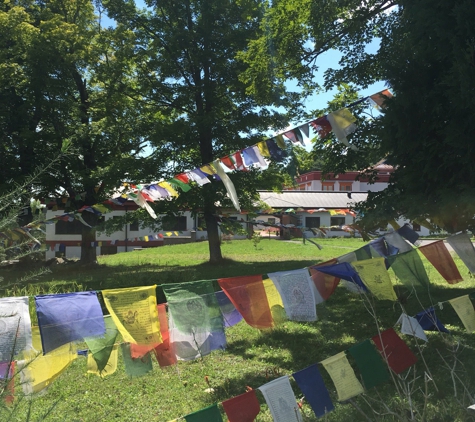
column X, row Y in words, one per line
column 243, row 408
column 325, row 283
column 380, row 97
column 322, row 126
column 239, row 163
column 439, row 256
column 249, row 297
column 228, row 162
column 394, row 351
column 183, row 178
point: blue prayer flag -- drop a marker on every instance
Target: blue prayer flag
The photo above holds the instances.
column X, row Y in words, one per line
column 344, row 271
column 429, row 321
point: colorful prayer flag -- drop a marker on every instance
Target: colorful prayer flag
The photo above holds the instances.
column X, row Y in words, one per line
column 134, row 311
column 375, row 276
column 464, row 308
column 394, row 351
column 408, row 267
column 373, row 369
column 343, row 376
column 67, row 317
column 280, row 398
column 242, row 408
column 325, row 283
column 439, row 256
column 311, row 383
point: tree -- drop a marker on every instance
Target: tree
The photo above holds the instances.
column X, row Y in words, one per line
column 188, row 67
column 61, row 75
column 426, row 56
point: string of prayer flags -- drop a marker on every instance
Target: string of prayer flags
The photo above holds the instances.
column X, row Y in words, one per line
column 311, row 383
column 135, row 367
column 408, row 234
column 68, row 317
column 281, row 400
column 298, row 293
column 396, row 240
column 15, row 326
column 439, row 256
column 394, row 351
column 408, row 267
column 100, row 360
column 231, row 315
column 38, row 371
column 411, row 326
column 375, row 276
column 342, row 123
column 429, row 321
column 228, row 184
column 242, row 408
column 343, row 376
column 134, row 311
column 462, row 244
column 464, row 308
column 196, row 322
column 109, row 368
column 208, row 414
column 325, row 283
column 373, row 369
column 249, row 296
column 346, row 272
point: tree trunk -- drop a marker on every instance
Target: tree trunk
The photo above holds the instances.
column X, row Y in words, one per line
column 88, row 252
column 214, row 241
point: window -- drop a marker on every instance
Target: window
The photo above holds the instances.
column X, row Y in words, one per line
column 271, row 220
column 312, row 222
column 416, row 227
column 328, row 186
column 337, row 221
column 134, row 226
column 68, row 227
column 174, row 223
column 345, row 186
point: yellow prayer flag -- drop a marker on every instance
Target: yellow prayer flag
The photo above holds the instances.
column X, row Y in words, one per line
column 169, row 188
column 111, row 365
column 343, row 117
column 208, row 169
column 464, row 308
column 263, row 149
column 332, row 212
column 343, row 376
column 276, row 305
column 168, row 233
column 38, row 371
column 134, row 312
column 375, row 276
column 176, row 233
column 279, row 139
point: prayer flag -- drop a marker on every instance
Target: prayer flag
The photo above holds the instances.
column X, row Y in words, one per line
column 134, row 311
column 237, row 157
column 342, row 123
column 464, row 308
column 380, row 97
column 7, row 382
column 279, row 139
column 176, row 183
column 231, row 315
column 135, row 367
column 439, row 256
column 67, row 317
column 277, row 154
column 375, row 276
column 15, row 327
column 394, row 351
column 304, row 129
column 325, row 284
column 311, row 383
column 408, row 267
column 410, row 326
column 263, row 149
column 228, row 184
column 343, row 376
column 101, row 349
column 280, row 398
column 243, row 408
column 169, row 188
column 409, row 234
column 396, row 240
column 195, row 318
column 322, row 126
column 38, row 371
column 344, row 271
column 109, row 368
column 249, row 295
column 228, row 162
column 462, row 244
column 298, row 294
column 429, row 321
column 208, row 414
column 372, row 368
column 199, row 177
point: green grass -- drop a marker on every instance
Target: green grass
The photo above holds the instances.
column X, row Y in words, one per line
column 252, row 357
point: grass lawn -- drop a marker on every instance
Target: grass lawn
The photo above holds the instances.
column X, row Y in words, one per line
column 254, row 357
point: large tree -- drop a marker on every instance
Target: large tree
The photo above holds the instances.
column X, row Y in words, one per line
column 188, row 66
column 61, row 75
column 425, row 53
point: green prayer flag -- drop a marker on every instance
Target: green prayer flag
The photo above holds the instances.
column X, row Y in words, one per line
column 363, row 254
column 178, row 183
column 135, row 367
column 208, row 414
column 408, row 267
column 101, row 347
column 368, row 360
